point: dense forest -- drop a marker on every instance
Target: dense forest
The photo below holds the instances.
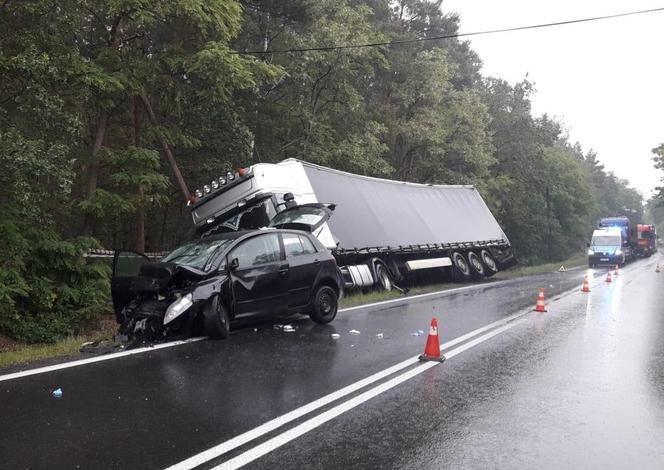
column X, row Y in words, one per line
column 112, row 112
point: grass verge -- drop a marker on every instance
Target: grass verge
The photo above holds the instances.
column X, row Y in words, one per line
column 16, row 353
column 355, row 299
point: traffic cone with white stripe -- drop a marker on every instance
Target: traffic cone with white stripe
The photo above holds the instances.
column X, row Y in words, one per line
column 608, row 276
column 432, row 348
column 586, row 285
column 616, row 272
column 540, row 307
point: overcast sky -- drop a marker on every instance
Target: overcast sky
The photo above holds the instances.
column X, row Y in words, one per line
column 603, row 80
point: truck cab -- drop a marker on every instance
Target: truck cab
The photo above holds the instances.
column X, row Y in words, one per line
column 608, row 246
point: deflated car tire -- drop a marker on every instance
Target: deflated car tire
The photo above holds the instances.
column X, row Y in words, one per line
column 216, row 320
column 324, row 305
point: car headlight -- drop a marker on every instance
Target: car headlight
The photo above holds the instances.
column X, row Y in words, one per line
column 177, row 308
column 618, row 252
column 590, row 252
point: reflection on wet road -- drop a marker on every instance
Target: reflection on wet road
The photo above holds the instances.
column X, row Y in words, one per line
column 578, row 386
column 581, row 386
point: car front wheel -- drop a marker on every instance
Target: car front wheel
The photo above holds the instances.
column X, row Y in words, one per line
column 324, row 305
column 216, row 319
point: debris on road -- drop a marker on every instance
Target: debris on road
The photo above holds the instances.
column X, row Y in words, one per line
column 288, row 328
column 417, row 333
column 354, row 332
column 57, row 393
column 335, row 336
column 379, row 335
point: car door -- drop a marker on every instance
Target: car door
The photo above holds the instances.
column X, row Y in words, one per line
column 126, row 266
column 258, row 274
column 303, row 264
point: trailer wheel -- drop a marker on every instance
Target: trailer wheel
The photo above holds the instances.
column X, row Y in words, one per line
column 475, row 265
column 460, row 267
column 490, row 265
column 383, row 277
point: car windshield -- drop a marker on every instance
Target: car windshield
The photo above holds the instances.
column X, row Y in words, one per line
column 605, row 240
column 197, row 254
column 302, row 215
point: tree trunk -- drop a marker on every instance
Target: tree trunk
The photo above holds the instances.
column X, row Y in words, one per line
column 140, row 214
column 93, row 167
column 169, row 154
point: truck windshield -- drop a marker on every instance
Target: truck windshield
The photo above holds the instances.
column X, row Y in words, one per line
column 606, row 240
column 252, row 217
column 197, row 254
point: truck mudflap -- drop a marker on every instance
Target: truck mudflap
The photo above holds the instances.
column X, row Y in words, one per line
column 504, row 256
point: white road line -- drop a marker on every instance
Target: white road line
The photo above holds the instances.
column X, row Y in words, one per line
column 297, row 431
column 303, row 428
column 248, row 436
column 269, row 426
column 106, row 357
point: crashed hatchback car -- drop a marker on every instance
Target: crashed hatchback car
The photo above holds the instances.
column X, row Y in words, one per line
column 202, row 286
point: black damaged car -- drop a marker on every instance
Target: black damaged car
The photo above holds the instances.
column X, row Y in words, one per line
column 203, row 286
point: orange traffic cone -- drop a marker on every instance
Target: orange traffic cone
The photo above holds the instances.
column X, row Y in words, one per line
column 432, row 349
column 540, row 307
column 615, row 273
column 586, row 285
column 608, row 276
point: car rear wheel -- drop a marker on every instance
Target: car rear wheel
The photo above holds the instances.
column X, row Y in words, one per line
column 475, row 265
column 324, row 305
column 216, row 319
column 460, row 267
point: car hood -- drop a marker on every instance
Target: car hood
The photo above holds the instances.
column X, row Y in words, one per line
column 157, row 276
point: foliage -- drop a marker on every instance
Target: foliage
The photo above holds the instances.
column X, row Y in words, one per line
column 83, row 154
column 47, row 289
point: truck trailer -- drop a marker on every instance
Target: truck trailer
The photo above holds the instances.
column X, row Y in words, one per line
column 380, row 231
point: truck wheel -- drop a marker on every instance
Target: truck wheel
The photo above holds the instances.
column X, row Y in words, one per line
column 490, row 266
column 383, row 277
column 324, row 305
column 216, row 320
column 460, row 268
column 475, row 265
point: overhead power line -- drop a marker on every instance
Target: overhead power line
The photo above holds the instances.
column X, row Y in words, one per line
column 451, row 36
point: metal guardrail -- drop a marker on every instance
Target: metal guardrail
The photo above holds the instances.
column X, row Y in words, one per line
column 99, row 253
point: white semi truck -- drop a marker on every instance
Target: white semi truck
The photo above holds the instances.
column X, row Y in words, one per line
column 380, row 231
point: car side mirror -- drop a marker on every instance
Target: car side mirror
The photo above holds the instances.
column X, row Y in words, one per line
column 235, row 263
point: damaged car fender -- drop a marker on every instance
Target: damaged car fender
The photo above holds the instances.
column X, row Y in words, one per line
column 202, row 293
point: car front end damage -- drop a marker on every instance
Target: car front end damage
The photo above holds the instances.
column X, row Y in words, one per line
column 164, row 302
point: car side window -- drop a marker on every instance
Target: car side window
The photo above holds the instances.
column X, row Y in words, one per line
column 292, row 244
column 297, row 245
column 256, row 251
column 307, row 245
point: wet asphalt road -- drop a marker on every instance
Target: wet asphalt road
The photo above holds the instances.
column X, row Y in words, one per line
column 578, row 386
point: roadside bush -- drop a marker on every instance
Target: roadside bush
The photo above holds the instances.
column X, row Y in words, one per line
column 48, row 290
